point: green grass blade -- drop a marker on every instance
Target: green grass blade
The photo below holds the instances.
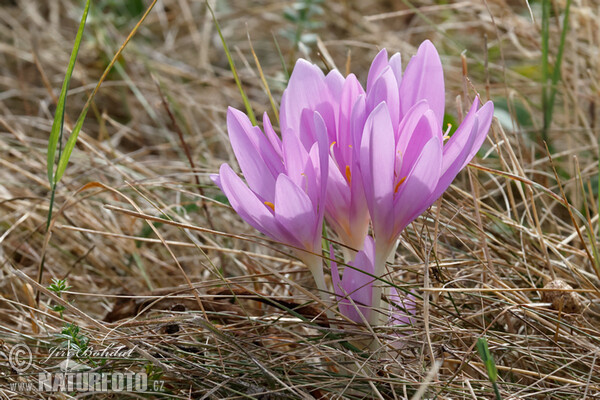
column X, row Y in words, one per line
column 264, row 81
column 59, row 116
column 233, row 70
column 549, row 89
column 66, row 154
column 490, row 364
column 545, row 67
column 559, row 56
column 64, row 159
column 283, row 65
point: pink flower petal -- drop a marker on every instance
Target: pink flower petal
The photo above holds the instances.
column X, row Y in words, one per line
column 414, row 194
column 425, row 130
column 424, row 79
column 306, row 89
column 484, row 118
column 463, row 145
column 396, row 65
column 271, row 135
column 294, row 210
column 385, row 88
column 258, row 164
column 377, row 167
column 377, row 66
column 250, row 208
column 295, row 157
column 323, row 166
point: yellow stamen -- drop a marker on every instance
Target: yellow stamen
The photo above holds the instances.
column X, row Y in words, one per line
column 331, row 145
column 447, row 133
column 348, row 174
column 400, row 182
column 268, row 203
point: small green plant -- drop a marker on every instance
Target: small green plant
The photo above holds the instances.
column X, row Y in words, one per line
column 57, row 163
column 303, row 15
column 58, row 286
column 550, row 82
column 154, row 373
column 490, row 365
column 232, row 67
column 73, row 339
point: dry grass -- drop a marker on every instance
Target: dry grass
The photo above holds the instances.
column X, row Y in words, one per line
column 217, row 311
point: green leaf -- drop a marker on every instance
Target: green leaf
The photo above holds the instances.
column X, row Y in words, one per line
column 64, row 158
column 549, row 98
column 488, row 360
column 59, row 116
column 233, row 70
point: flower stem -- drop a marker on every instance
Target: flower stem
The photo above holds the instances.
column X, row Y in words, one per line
column 382, row 252
column 315, row 265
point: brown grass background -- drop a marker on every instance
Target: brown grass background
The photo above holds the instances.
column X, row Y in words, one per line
column 478, row 260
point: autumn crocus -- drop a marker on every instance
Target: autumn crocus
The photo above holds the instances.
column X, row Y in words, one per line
column 354, row 290
column 333, row 97
column 284, row 193
column 406, row 162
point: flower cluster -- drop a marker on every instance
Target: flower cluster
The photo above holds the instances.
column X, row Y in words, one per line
column 354, row 158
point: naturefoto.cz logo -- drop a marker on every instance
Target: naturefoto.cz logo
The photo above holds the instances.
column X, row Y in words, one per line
column 72, row 376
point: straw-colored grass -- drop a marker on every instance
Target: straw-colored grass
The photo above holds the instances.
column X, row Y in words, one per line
column 155, row 259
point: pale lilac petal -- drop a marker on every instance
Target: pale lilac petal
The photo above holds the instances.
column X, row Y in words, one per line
column 458, row 145
column 484, row 118
column 425, row 130
column 349, row 309
column 453, row 169
column 250, row 208
column 305, row 89
column 271, row 135
column 358, row 119
column 337, row 199
column 368, row 248
column 311, row 182
column 406, row 131
column 295, row 157
column 334, row 81
column 306, row 133
column 328, row 111
column 350, row 93
column 335, row 275
column 463, row 145
column 359, row 213
column 377, row 66
column 396, row 65
column 403, row 308
column 217, row 180
column 294, row 210
column 377, row 167
column 385, row 89
column 414, row 194
column 424, row 79
column 244, row 139
column 358, row 284
column 323, row 146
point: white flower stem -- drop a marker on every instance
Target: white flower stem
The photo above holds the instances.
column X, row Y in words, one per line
column 382, row 252
column 354, row 243
column 315, row 265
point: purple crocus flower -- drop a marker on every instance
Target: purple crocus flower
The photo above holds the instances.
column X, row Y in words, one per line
column 404, row 162
column 354, row 290
column 333, row 97
column 284, row 193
